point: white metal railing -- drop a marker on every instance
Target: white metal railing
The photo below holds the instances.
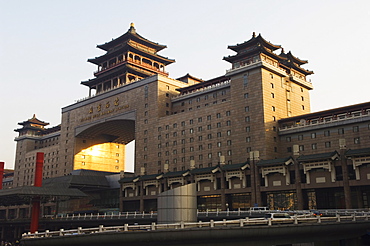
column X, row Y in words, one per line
column 206, row 213
column 204, row 89
column 326, row 120
column 210, row 224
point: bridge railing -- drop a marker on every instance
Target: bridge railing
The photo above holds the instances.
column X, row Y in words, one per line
column 207, row 213
column 210, row 224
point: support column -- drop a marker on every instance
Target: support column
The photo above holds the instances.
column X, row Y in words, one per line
column 343, row 161
column 141, row 196
column 298, row 180
column 35, row 214
column 2, row 164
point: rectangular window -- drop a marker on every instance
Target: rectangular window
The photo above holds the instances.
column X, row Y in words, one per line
column 314, row 146
column 245, row 80
column 288, row 139
column 355, row 129
column 247, row 119
column 341, row 131
column 248, row 129
column 356, row 140
column 327, row 133
column 246, row 109
column 313, row 135
column 246, row 95
column 327, row 144
column 301, row 147
column 300, row 137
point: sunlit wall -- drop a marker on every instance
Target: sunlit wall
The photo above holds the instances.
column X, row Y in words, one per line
column 107, row 157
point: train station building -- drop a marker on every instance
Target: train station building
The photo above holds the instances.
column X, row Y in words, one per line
column 245, row 138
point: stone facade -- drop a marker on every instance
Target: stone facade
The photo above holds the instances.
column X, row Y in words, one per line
column 223, row 134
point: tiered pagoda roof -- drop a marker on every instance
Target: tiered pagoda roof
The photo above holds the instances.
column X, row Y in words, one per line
column 128, row 43
column 257, row 45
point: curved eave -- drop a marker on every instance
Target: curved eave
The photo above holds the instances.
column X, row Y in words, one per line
column 254, row 41
column 241, row 56
column 107, row 56
column 296, row 59
column 131, row 34
column 127, row 68
column 300, row 69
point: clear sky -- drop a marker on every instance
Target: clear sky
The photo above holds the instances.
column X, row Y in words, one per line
column 44, row 47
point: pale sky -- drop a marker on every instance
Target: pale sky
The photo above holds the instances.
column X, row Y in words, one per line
column 44, row 47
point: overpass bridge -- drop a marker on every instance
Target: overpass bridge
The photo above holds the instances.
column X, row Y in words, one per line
column 338, row 230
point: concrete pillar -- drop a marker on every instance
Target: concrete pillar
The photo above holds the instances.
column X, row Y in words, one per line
column 298, row 182
column 346, row 187
column 35, row 214
column 2, row 164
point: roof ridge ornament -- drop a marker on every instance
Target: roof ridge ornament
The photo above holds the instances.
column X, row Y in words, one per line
column 132, row 28
column 254, row 34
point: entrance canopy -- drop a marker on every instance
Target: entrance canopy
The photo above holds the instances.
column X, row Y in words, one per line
column 24, row 194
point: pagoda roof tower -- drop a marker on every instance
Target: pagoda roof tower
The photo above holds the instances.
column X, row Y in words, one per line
column 128, row 58
column 257, row 49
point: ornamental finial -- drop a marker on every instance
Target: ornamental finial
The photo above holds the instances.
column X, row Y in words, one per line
column 132, row 24
column 254, row 34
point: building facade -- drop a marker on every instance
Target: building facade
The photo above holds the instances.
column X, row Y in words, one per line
column 245, row 138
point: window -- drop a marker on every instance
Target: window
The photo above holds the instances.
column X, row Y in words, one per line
column 219, row 134
column 313, row 135
column 200, row 129
column 191, row 130
column 300, row 137
column 273, row 108
column 288, row 139
column 246, row 95
column 228, row 132
column 248, row 129
column 341, row 131
column 200, row 119
column 327, row 144
column 272, row 95
column 218, row 124
column 228, row 113
column 245, row 80
column 209, row 117
column 246, row 109
column 356, row 140
column 355, row 129
column 218, row 115
column 301, row 147
column 209, row 136
column 229, row 142
column 248, row 139
column 218, row 144
column 209, row 127
column 314, row 146
column 175, row 125
column 302, row 107
column 247, row 119
column 228, row 123
column 272, row 85
column 327, row 133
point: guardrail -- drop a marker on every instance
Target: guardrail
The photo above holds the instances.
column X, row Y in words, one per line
column 207, row 213
column 211, row 224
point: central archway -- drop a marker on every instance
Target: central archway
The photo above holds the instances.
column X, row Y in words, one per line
column 102, row 146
